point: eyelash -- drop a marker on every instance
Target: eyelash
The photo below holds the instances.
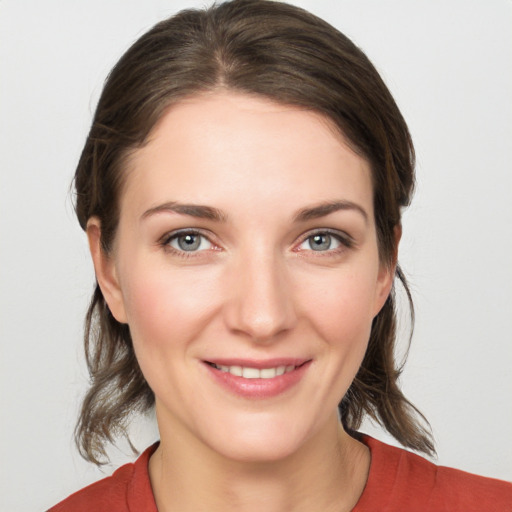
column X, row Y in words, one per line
column 346, row 241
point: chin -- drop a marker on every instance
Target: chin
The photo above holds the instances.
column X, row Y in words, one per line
column 258, row 441
column 256, row 450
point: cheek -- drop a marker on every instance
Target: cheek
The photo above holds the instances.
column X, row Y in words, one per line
column 339, row 310
column 166, row 311
column 341, row 306
column 165, row 308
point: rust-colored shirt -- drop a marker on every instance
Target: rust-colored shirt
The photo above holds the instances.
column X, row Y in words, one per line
column 399, row 481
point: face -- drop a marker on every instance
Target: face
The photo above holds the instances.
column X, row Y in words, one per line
column 247, row 268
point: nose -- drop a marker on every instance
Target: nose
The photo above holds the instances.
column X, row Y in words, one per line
column 261, row 302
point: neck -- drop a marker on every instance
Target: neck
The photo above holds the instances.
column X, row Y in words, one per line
column 328, row 473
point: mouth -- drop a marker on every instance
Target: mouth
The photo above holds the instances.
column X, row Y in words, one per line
column 258, row 379
column 249, row 372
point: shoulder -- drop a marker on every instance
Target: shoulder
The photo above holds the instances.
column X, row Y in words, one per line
column 401, row 478
column 106, row 494
column 127, row 490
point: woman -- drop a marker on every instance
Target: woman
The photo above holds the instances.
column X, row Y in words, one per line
column 241, row 189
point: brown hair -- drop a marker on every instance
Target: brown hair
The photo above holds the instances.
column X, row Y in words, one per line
column 283, row 53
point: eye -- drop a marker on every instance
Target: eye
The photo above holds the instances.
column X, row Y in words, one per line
column 189, row 241
column 325, row 241
column 322, row 242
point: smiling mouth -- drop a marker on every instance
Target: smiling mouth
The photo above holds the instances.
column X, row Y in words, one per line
column 248, row 372
column 257, row 379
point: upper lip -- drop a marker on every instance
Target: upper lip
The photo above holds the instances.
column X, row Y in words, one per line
column 258, row 363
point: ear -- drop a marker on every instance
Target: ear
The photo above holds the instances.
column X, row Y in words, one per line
column 105, row 269
column 386, row 274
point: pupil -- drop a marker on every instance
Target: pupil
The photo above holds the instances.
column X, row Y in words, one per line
column 321, row 242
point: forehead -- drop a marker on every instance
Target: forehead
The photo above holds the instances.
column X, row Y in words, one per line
column 210, row 147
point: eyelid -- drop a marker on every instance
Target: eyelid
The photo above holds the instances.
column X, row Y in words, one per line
column 177, row 232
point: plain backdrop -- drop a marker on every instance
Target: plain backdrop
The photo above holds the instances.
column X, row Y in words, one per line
column 448, row 64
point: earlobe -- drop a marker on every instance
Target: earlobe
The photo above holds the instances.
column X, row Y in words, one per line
column 105, row 270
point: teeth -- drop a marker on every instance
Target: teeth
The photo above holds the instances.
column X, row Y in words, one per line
column 268, row 373
column 250, row 373
column 235, row 370
column 255, row 373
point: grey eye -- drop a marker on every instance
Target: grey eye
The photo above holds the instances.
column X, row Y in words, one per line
column 320, row 242
column 189, row 242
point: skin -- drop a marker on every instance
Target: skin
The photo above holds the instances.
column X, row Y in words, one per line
column 254, row 288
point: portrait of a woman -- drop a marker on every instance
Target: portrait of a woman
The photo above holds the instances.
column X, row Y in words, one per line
column 241, row 189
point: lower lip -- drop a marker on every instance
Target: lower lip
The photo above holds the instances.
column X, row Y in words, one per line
column 258, row 388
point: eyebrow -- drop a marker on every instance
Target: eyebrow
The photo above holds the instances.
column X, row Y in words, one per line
column 193, row 210
column 209, row 212
column 324, row 209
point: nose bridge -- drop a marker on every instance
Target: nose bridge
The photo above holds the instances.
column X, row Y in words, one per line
column 261, row 304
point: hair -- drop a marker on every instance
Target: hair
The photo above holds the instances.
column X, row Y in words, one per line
column 283, row 53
